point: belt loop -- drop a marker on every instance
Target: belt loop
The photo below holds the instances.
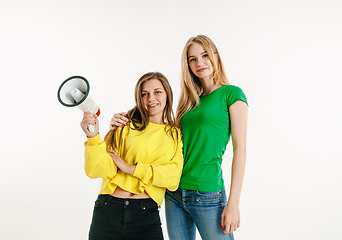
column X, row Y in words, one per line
column 109, row 198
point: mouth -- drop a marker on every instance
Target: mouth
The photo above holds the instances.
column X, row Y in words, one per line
column 201, row 69
column 153, row 105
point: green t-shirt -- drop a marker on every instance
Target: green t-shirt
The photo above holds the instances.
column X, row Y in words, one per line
column 206, row 132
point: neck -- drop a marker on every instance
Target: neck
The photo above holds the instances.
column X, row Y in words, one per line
column 156, row 120
column 209, row 85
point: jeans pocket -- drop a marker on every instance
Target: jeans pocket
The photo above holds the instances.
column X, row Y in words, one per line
column 217, row 197
column 99, row 205
column 150, row 210
column 208, row 194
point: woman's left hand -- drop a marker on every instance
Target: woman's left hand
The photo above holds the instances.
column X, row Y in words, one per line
column 230, row 218
column 120, row 163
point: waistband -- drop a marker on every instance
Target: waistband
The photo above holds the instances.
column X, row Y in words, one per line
column 127, row 202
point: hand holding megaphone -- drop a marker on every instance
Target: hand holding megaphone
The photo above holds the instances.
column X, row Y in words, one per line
column 74, row 92
column 90, row 119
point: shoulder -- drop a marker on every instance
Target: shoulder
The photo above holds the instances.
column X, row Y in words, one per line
column 174, row 132
column 173, row 129
column 179, row 132
column 122, row 132
column 177, row 129
column 231, row 89
column 233, row 93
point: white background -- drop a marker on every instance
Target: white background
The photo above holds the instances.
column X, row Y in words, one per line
column 285, row 55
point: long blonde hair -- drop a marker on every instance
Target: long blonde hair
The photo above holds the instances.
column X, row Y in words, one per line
column 139, row 115
column 191, row 87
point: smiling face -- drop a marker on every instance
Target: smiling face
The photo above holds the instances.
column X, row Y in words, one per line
column 199, row 62
column 154, row 98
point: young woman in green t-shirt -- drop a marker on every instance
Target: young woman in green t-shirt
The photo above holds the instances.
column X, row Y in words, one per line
column 210, row 110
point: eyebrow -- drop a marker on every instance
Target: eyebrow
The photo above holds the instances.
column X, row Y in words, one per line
column 201, row 54
column 153, row 89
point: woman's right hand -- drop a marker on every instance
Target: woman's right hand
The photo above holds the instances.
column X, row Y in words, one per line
column 90, row 118
column 118, row 120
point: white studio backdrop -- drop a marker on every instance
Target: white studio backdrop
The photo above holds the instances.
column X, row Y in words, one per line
column 285, row 55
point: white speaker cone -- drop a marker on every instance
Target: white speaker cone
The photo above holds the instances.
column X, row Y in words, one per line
column 74, row 92
column 64, row 91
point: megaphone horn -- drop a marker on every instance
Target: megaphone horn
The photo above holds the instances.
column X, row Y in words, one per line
column 74, row 92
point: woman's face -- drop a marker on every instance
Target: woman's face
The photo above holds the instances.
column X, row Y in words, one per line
column 199, row 61
column 154, row 98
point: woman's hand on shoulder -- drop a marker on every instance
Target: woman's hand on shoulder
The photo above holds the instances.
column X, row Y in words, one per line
column 90, row 118
column 118, row 120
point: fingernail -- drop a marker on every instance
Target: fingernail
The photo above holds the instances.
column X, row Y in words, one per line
column 222, row 227
column 124, row 115
column 123, row 125
column 114, row 128
column 127, row 124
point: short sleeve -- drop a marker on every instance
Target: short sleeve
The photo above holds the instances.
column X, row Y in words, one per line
column 235, row 94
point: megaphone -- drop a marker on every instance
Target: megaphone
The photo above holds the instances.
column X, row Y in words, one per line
column 74, row 92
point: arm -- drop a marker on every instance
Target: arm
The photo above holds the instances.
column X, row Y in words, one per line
column 231, row 214
column 121, row 164
column 98, row 164
column 160, row 175
column 167, row 175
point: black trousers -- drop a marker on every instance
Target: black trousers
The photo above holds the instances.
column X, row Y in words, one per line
column 121, row 219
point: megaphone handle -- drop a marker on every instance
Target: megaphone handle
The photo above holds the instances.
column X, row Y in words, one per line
column 91, row 128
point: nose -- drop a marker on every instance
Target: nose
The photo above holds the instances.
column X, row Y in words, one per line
column 199, row 62
column 151, row 97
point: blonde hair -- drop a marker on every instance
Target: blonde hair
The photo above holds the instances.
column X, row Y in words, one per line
column 191, row 87
column 139, row 115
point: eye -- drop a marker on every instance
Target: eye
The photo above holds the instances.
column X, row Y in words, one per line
column 192, row 60
column 205, row 55
column 157, row 92
column 143, row 94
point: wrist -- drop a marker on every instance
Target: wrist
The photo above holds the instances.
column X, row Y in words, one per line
column 94, row 141
column 131, row 169
column 126, row 167
column 233, row 202
column 92, row 135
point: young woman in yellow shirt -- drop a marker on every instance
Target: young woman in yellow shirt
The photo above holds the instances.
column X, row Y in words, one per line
column 136, row 163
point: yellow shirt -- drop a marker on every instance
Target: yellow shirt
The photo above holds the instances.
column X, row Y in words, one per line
column 158, row 159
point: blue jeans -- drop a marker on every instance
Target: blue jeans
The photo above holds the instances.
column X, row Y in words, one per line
column 118, row 218
column 188, row 209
